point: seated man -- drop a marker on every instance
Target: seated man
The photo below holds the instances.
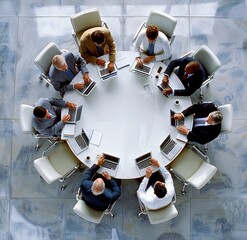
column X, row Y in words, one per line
column 154, row 44
column 101, row 190
column 207, row 122
column 46, row 116
column 190, row 72
column 64, row 68
column 156, row 189
column 96, row 42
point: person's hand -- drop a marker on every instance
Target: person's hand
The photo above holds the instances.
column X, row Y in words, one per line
column 155, row 162
column 71, row 105
column 178, row 116
column 110, row 66
column 148, row 59
column 86, row 78
column 149, row 172
column 165, row 80
column 79, row 86
column 100, row 62
column 66, row 118
column 106, row 175
column 167, row 91
column 182, row 129
column 101, row 161
column 139, row 62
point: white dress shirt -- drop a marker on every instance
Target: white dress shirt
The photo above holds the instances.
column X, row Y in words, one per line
column 149, row 199
column 162, row 49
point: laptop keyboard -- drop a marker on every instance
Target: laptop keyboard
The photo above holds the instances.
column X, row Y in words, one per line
column 80, row 141
column 168, row 147
column 144, row 164
column 145, row 69
column 110, row 165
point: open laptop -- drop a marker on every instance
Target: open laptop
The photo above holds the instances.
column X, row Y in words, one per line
column 104, row 74
column 169, row 147
column 110, row 164
column 80, row 143
column 87, row 89
column 75, row 114
column 175, row 122
column 145, row 71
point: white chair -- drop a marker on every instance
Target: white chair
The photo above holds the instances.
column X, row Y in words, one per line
column 190, row 168
column 165, row 22
column 26, row 112
column 227, row 112
column 58, row 164
column 85, row 20
column 159, row 215
column 44, row 60
column 88, row 213
column 209, row 61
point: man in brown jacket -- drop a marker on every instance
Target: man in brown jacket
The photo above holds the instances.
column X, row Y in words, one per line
column 96, row 42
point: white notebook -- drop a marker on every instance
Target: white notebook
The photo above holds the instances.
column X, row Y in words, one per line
column 69, row 130
column 96, row 137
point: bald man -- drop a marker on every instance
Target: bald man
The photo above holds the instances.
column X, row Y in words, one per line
column 190, row 73
column 98, row 191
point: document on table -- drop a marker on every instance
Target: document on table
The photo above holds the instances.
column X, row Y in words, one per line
column 69, row 130
column 96, row 137
column 121, row 63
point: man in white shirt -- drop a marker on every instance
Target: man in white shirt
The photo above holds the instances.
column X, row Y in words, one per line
column 161, row 190
column 152, row 43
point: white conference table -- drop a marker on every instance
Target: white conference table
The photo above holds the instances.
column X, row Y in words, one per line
column 133, row 118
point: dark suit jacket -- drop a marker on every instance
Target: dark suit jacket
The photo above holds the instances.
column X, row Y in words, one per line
column 101, row 202
column 202, row 134
column 88, row 48
column 59, row 79
column 192, row 83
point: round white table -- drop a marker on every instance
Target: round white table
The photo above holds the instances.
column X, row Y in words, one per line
column 132, row 114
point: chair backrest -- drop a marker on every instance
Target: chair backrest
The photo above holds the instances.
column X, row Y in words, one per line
column 86, row 19
column 44, row 59
column 208, row 59
column 26, row 113
column 192, row 168
column 165, row 22
column 227, row 112
column 163, row 214
column 88, row 213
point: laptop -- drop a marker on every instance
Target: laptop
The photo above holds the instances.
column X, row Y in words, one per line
column 110, row 164
column 87, row 89
column 104, row 74
column 175, row 122
column 143, row 162
column 80, row 143
column 170, row 148
column 145, row 71
column 161, row 86
column 75, row 114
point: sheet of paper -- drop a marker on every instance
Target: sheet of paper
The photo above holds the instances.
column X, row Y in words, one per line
column 69, row 130
column 96, row 137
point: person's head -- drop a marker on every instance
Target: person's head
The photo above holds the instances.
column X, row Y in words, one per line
column 192, row 67
column 152, row 33
column 214, row 118
column 98, row 186
column 39, row 112
column 59, row 63
column 160, row 189
column 98, row 37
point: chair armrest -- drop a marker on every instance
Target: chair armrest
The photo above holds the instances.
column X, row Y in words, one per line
column 200, row 153
column 103, row 23
column 188, row 54
column 138, row 31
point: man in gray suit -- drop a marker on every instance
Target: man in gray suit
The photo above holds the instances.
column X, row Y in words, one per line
column 46, row 116
column 64, row 68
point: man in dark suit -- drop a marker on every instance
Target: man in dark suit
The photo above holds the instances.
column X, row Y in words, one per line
column 207, row 122
column 98, row 191
column 64, row 68
column 190, row 72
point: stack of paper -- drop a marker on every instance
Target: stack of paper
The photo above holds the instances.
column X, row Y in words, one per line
column 69, row 130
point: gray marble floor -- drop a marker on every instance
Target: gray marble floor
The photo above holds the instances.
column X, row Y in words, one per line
column 32, row 209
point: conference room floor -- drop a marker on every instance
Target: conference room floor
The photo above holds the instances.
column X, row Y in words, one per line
column 32, row 209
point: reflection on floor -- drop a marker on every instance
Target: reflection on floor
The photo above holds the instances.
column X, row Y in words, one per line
column 31, row 209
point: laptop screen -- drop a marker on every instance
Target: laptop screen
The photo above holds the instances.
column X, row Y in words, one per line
column 165, row 142
column 146, row 156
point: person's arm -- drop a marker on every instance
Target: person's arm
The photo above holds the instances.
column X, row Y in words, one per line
column 162, row 42
column 114, row 190
column 173, row 64
column 57, row 102
column 112, row 48
column 81, row 64
column 85, row 52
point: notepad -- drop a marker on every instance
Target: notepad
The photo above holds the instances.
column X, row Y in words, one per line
column 121, row 63
column 69, row 130
column 96, row 137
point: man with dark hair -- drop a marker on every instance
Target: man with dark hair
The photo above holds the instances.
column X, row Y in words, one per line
column 96, row 42
column 46, row 116
column 153, row 43
column 207, row 122
column 156, row 189
column 190, row 73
